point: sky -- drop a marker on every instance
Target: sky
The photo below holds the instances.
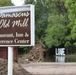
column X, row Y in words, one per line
column 18, row 2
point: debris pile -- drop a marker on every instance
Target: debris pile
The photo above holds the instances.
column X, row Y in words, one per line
column 37, row 53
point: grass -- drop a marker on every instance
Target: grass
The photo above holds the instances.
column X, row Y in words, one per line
column 71, row 57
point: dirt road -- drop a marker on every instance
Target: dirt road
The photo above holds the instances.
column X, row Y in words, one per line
column 46, row 68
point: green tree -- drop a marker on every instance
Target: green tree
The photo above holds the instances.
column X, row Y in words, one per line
column 55, row 35
column 55, row 21
column 56, row 30
column 71, row 9
column 41, row 17
column 5, row 3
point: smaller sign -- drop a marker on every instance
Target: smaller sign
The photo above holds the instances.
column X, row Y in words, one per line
column 17, row 26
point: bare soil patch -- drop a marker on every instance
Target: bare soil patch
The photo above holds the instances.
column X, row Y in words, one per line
column 18, row 70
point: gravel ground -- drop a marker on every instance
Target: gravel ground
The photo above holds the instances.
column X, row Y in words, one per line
column 46, row 68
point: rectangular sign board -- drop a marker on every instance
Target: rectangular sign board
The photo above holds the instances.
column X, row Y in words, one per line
column 17, row 26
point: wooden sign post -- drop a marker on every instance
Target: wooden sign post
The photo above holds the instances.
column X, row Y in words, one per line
column 16, row 29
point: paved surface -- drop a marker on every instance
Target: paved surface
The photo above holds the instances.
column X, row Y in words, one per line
column 43, row 68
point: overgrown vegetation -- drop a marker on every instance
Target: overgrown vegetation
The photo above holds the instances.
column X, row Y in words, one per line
column 55, row 22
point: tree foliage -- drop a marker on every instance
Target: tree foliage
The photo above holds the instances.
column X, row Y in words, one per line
column 56, row 29
column 55, row 35
column 55, row 22
column 5, row 3
column 51, row 17
column 41, row 17
column 71, row 26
